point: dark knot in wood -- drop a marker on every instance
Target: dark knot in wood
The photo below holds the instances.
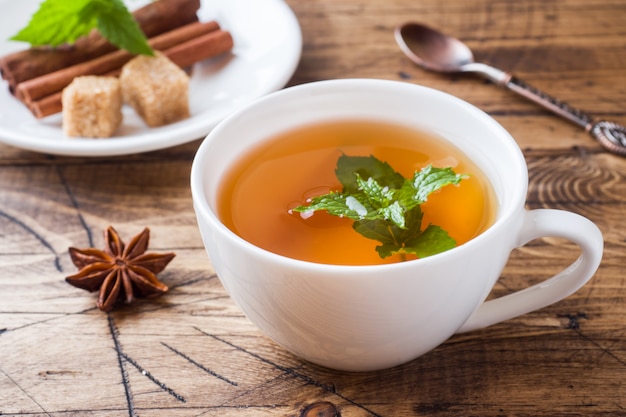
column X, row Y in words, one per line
column 320, row 409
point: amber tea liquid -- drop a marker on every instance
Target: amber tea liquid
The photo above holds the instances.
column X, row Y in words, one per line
column 283, row 172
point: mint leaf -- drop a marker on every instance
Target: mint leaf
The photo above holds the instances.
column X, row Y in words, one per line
column 386, row 206
column 119, row 27
column 365, row 167
column 378, row 194
column 337, row 204
column 431, row 241
column 58, row 22
column 430, row 179
column 394, row 214
column 389, row 235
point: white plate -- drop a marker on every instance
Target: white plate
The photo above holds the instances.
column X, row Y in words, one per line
column 267, row 48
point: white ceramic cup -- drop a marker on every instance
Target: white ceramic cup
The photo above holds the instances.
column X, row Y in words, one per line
column 361, row 318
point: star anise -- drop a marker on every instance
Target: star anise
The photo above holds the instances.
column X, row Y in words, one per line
column 119, row 271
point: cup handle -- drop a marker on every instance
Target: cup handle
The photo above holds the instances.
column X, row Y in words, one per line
column 543, row 223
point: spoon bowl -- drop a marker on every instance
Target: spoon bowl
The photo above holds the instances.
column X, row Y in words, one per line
column 432, row 49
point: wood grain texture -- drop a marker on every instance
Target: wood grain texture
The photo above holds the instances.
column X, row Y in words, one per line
column 194, row 353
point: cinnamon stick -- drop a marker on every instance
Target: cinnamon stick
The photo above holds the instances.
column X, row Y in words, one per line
column 153, row 19
column 184, row 54
column 44, row 85
column 203, row 47
column 51, row 104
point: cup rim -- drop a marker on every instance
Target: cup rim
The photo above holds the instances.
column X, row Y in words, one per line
column 203, row 209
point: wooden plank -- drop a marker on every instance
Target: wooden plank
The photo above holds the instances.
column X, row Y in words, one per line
column 193, row 352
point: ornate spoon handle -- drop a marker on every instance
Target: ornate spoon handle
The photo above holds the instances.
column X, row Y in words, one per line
column 610, row 135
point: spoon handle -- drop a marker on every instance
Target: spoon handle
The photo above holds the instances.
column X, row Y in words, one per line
column 610, row 135
column 553, row 104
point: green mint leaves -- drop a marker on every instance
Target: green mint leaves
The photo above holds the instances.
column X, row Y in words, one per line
column 57, row 22
column 385, row 206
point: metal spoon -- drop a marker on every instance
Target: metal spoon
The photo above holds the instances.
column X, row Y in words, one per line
column 438, row 52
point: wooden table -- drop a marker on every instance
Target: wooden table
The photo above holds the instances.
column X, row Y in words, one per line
column 193, row 353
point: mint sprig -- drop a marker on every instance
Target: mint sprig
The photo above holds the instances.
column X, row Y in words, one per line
column 385, row 206
column 58, row 22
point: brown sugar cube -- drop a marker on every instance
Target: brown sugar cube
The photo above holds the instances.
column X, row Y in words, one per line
column 156, row 88
column 92, row 106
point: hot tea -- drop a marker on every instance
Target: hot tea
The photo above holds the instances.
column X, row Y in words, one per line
column 257, row 167
column 259, row 193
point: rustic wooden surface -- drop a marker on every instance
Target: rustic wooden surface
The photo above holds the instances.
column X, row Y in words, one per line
column 193, row 353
